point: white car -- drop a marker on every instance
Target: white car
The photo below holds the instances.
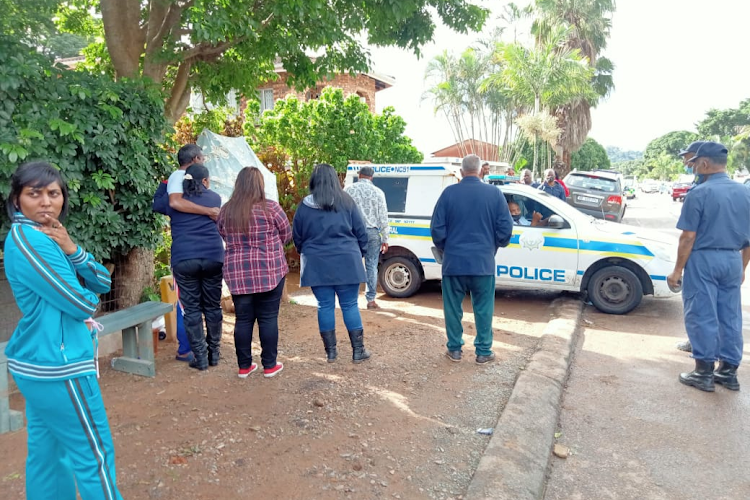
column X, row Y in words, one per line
column 614, row 264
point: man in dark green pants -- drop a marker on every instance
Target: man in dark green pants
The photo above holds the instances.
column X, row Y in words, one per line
column 470, row 222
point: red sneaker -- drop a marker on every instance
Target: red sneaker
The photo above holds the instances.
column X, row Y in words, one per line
column 272, row 372
column 244, row 372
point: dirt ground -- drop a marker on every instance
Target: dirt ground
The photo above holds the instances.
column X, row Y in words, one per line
column 401, row 425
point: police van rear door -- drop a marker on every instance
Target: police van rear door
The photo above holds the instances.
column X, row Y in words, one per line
column 538, row 257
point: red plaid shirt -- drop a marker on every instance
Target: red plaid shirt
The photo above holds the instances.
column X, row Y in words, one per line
column 256, row 263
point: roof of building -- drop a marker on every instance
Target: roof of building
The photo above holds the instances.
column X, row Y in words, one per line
column 382, row 81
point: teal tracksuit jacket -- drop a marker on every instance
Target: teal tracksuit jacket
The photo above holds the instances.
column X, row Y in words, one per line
column 51, row 356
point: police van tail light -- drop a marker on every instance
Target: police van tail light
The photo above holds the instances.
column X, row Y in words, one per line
column 615, row 200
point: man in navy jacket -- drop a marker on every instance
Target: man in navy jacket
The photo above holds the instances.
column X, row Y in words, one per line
column 470, row 222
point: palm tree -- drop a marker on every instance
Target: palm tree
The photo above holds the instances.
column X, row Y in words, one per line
column 548, row 76
column 589, row 29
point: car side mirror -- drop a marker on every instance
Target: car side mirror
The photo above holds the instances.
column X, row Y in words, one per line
column 556, row 222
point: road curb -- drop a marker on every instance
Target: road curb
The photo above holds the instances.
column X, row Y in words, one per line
column 514, row 465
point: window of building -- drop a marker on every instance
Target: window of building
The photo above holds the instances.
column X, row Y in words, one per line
column 266, row 99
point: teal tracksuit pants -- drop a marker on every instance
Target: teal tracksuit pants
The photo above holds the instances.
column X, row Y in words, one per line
column 69, row 442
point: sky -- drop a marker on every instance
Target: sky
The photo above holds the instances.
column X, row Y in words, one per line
column 674, row 61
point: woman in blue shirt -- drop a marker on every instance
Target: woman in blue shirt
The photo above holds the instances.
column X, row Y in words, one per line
column 197, row 264
column 51, row 352
column 331, row 238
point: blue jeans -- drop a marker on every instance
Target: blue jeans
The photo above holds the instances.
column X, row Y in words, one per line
column 347, row 295
column 371, row 262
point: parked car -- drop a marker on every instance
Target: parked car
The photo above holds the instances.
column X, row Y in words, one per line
column 681, row 186
column 650, row 186
column 598, row 193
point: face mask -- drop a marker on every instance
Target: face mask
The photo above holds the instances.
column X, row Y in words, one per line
column 517, row 217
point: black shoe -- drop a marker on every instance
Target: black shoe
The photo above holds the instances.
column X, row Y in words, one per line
column 454, row 356
column 359, row 353
column 485, row 359
column 199, row 364
column 726, row 375
column 329, row 342
column 701, row 378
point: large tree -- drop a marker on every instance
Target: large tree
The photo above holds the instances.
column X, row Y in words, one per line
column 669, row 144
column 545, row 77
column 590, row 23
column 590, row 156
column 216, row 46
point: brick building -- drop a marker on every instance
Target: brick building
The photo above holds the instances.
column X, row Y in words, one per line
column 365, row 85
column 485, row 150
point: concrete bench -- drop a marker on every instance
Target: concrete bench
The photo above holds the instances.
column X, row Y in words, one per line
column 137, row 347
column 137, row 337
column 10, row 420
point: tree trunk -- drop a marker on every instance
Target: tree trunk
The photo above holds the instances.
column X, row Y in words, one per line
column 123, row 34
column 133, row 274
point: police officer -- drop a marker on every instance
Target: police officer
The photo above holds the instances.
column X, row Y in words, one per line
column 714, row 251
column 686, row 155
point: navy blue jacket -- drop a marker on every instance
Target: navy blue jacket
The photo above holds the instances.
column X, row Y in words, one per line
column 470, row 222
column 555, row 190
column 331, row 244
column 196, row 236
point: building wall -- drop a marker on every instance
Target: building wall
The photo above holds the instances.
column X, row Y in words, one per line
column 362, row 85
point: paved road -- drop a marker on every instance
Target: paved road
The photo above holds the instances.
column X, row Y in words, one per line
column 635, row 432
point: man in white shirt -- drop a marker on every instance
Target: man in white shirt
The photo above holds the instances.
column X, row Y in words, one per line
column 188, row 154
column 371, row 202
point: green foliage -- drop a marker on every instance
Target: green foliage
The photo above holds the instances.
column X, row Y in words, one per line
column 724, row 123
column 591, row 156
column 65, row 45
column 664, row 167
column 104, row 136
column 669, row 144
column 221, row 46
column 331, row 129
column 617, row 155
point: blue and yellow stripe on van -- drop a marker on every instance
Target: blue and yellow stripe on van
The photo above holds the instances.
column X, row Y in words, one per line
column 552, row 242
column 409, row 231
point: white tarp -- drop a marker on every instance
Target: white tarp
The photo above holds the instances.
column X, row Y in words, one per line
column 226, row 156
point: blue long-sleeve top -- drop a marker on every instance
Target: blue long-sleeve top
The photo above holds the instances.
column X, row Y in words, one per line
column 51, row 341
column 331, row 244
column 470, row 222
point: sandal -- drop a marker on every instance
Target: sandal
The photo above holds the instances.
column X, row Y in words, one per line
column 187, row 357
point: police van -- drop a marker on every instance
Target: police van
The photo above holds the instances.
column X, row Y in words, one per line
column 613, row 264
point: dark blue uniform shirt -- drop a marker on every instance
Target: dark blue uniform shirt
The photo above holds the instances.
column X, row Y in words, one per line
column 718, row 211
column 555, row 190
column 470, row 222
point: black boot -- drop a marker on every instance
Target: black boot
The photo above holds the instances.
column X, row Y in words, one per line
column 702, row 377
column 198, row 345
column 213, row 339
column 726, row 375
column 359, row 353
column 329, row 341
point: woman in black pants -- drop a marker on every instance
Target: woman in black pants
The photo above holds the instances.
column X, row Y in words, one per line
column 197, row 264
column 255, row 231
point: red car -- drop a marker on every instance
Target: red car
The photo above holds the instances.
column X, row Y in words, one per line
column 679, row 190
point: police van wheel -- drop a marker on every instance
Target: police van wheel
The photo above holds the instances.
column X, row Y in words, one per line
column 615, row 290
column 399, row 277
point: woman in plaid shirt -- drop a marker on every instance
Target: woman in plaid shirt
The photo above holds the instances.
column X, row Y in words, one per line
column 255, row 231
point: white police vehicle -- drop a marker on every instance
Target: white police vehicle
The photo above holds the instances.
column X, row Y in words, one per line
column 614, row 264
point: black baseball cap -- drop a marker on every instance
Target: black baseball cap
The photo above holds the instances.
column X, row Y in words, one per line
column 711, row 150
column 692, row 148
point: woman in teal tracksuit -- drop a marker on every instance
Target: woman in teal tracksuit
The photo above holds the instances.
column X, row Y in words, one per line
column 51, row 352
